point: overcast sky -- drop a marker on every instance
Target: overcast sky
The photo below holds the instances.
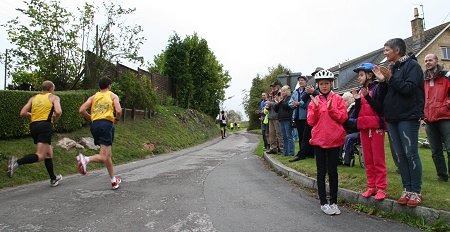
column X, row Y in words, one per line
column 248, row 36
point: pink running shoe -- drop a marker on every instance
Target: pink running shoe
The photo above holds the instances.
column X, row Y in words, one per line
column 369, row 192
column 381, row 194
column 81, row 163
column 115, row 185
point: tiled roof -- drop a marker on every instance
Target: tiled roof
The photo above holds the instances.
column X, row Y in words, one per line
column 377, row 56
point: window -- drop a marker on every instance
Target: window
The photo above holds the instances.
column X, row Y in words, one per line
column 336, row 80
column 445, row 53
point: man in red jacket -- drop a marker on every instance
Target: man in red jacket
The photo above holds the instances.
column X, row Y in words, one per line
column 437, row 113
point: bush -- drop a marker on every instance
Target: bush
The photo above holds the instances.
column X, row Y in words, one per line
column 11, row 102
column 135, row 91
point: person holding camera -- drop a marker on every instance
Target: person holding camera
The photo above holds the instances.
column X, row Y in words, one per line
column 275, row 140
column 285, row 118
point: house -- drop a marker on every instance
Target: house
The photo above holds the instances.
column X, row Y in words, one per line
column 422, row 42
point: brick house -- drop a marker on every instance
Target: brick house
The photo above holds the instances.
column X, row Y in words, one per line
column 422, row 42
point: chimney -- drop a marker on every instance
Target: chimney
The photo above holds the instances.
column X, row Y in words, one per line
column 417, row 29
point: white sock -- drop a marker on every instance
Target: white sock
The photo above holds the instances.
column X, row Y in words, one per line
column 87, row 159
column 113, row 179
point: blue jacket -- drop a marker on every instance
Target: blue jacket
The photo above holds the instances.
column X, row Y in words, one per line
column 262, row 104
column 405, row 97
column 300, row 112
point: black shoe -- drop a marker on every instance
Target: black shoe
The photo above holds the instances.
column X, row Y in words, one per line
column 442, row 178
column 297, row 159
column 272, row 151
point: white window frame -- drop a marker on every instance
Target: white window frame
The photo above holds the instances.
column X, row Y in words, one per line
column 445, row 53
column 336, row 80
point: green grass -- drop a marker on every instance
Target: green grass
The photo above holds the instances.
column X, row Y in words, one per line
column 436, row 193
column 170, row 129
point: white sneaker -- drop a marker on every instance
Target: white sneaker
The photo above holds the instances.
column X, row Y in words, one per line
column 115, row 185
column 81, row 163
column 56, row 181
column 335, row 208
column 327, row 209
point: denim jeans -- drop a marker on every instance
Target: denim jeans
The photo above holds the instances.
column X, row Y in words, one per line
column 288, row 141
column 405, row 140
column 439, row 132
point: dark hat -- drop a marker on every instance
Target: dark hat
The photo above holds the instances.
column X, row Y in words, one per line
column 275, row 83
column 302, row 77
column 317, row 69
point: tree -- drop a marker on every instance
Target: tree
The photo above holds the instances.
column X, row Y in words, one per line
column 198, row 78
column 52, row 44
column 234, row 116
column 252, row 98
column 48, row 44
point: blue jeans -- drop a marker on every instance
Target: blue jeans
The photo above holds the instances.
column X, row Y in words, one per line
column 405, row 140
column 288, row 141
column 438, row 133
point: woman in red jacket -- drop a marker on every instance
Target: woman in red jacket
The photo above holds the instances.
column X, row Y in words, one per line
column 327, row 113
column 371, row 126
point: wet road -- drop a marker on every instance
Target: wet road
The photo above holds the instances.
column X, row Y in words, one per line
column 217, row 186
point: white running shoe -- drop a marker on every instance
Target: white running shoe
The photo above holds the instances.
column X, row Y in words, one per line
column 115, row 185
column 81, row 163
column 56, row 181
column 327, row 209
column 12, row 165
column 335, row 208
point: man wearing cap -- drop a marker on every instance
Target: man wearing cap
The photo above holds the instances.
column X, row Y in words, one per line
column 299, row 107
column 275, row 140
column 306, row 150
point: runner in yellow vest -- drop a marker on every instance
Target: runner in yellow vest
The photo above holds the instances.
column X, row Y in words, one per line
column 231, row 125
column 45, row 109
column 102, row 106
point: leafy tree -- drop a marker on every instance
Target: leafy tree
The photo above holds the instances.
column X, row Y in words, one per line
column 135, row 91
column 52, row 42
column 252, row 98
column 234, row 116
column 47, row 45
column 199, row 79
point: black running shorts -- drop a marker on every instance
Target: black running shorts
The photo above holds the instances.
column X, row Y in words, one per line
column 41, row 132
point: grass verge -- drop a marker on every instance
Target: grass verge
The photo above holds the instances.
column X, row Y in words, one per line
column 171, row 129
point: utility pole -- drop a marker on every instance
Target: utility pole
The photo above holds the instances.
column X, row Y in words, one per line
column 6, row 68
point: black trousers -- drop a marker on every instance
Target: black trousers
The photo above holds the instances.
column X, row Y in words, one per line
column 327, row 161
column 306, row 150
column 300, row 125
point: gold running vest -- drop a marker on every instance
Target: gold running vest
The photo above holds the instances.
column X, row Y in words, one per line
column 41, row 108
column 102, row 107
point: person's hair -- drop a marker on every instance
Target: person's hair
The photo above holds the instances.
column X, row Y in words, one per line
column 348, row 98
column 222, row 112
column 395, row 44
column 104, row 82
column 287, row 89
column 47, row 85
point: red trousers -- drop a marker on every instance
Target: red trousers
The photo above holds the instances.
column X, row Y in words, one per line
column 372, row 141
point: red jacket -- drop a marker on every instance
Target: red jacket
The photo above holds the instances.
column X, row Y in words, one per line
column 328, row 130
column 437, row 102
column 368, row 118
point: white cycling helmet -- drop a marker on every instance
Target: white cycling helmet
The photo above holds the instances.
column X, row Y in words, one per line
column 324, row 74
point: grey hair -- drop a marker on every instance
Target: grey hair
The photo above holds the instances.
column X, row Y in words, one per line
column 395, row 44
column 348, row 98
column 287, row 89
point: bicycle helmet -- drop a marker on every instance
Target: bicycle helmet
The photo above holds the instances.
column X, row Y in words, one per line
column 366, row 67
column 324, row 74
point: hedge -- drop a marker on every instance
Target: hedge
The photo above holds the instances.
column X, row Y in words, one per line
column 11, row 102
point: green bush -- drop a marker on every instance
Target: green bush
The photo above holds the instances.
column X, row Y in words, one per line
column 11, row 102
column 135, row 91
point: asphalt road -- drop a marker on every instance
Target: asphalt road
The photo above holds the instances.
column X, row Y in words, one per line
column 217, row 186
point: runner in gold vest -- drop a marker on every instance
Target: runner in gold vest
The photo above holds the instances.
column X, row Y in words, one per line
column 102, row 106
column 45, row 109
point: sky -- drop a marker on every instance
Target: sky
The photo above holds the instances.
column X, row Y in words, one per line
column 249, row 36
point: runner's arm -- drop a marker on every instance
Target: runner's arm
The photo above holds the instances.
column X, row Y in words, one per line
column 25, row 112
column 84, row 107
column 117, row 107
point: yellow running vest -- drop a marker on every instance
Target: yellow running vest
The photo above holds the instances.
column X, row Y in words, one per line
column 41, row 108
column 102, row 107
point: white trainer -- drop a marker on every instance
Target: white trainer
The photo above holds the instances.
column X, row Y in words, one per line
column 327, row 209
column 335, row 208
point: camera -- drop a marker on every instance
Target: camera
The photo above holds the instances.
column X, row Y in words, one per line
column 279, row 94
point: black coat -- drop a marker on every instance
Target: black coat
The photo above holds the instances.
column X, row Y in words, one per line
column 405, row 96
